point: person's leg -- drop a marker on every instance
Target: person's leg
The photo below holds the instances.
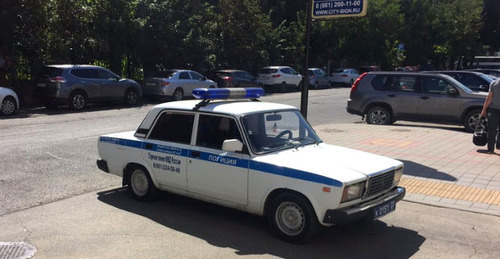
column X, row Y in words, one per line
column 492, row 128
column 498, row 128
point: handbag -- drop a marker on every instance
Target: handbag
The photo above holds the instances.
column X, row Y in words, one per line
column 480, row 137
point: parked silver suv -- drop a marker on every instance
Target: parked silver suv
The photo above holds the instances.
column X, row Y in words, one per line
column 384, row 97
column 78, row 85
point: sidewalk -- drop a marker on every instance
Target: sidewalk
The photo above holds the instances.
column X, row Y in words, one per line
column 442, row 165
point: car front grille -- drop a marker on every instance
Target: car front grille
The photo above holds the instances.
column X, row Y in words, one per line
column 379, row 183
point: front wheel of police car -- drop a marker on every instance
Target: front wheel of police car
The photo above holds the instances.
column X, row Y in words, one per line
column 292, row 218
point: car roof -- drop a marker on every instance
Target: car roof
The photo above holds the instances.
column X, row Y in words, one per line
column 229, row 70
column 275, row 67
column 228, row 107
column 456, row 71
column 64, row 66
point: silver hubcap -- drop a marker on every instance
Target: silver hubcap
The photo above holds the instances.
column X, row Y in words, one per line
column 473, row 122
column 178, row 95
column 139, row 182
column 378, row 117
column 290, row 218
column 78, row 101
column 132, row 97
column 8, row 107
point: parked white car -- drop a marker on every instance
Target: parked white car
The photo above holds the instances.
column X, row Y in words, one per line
column 175, row 84
column 262, row 158
column 278, row 78
column 9, row 101
column 345, row 76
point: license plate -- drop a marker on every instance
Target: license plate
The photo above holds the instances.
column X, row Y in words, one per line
column 384, row 209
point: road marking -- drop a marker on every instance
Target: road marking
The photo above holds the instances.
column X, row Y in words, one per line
column 451, row 191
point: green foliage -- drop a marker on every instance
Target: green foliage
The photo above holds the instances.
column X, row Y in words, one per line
column 136, row 38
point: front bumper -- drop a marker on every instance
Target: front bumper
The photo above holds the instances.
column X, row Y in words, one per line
column 362, row 210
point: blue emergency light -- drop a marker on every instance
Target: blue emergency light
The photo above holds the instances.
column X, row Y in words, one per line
column 227, row 93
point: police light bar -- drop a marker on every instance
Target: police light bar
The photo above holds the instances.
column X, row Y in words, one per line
column 227, row 93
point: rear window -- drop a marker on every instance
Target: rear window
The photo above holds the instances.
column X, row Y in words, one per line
column 165, row 74
column 267, row 71
column 48, row 72
column 85, row 73
column 222, row 74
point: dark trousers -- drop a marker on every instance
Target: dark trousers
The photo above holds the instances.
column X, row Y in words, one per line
column 493, row 116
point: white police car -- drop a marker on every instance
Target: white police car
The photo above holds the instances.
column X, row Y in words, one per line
column 263, row 158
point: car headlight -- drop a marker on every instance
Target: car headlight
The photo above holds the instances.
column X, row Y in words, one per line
column 397, row 175
column 353, row 191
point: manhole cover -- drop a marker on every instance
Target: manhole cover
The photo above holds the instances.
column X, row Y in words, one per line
column 15, row 250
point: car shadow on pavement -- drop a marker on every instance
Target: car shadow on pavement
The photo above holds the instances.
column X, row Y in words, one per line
column 249, row 235
column 416, row 169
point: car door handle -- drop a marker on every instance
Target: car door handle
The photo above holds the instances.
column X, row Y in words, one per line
column 391, row 95
column 424, row 97
column 195, row 154
column 149, row 146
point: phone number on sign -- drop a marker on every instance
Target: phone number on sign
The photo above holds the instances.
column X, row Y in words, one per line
column 337, row 4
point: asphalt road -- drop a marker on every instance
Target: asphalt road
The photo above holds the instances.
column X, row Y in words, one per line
column 50, row 186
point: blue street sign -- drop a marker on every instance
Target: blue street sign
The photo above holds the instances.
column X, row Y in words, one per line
column 325, row 9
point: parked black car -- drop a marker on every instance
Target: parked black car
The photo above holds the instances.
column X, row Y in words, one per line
column 228, row 78
column 474, row 80
column 77, row 85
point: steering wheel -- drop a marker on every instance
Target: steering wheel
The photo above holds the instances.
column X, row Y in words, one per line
column 289, row 132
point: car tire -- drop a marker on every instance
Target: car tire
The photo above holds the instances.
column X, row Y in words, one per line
column 378, row 115
column 131, row 97
column 292, row 218
column 140, row 185
column 9, row 106
column 282, row 87
column 351, row 82
column 470, row 120
column 178, row 94
column 316, row 85
column 78, row 101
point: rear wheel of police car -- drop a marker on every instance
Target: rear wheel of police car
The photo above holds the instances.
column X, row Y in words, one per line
column 140, row 185
column 378, row 115
column 292, row 218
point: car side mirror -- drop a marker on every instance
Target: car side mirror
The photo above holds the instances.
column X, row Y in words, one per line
column 452, row 91
column 203, row 79
column 232, row 145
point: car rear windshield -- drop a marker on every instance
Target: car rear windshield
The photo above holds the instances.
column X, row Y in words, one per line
column 48, row 72
column 165, row 74
column 268, row 71
column 221, row 74
column 341, row 71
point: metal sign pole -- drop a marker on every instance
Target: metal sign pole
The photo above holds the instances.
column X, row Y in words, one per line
column 305, row 77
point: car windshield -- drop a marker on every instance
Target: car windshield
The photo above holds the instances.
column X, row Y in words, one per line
column 278, row 130
column 268, row 71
